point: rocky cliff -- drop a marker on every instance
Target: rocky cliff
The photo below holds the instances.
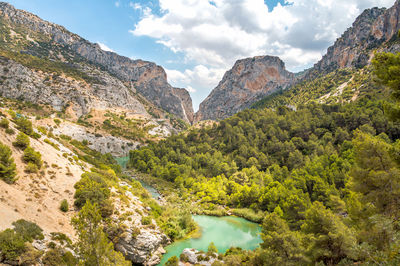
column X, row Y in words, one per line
column 26, row 34
column 248, row 81
column 375, row 28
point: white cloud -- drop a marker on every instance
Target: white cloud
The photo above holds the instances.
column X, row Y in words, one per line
column 214, row 35
column 190, row 89
column 117, row 4
column 105, row 47
column 198, row 81
column 135, row 6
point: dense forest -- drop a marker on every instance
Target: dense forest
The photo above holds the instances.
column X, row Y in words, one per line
column 323, row 179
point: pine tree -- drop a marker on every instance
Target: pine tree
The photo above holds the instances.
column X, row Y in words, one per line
column 93, row 247
column 7, row 165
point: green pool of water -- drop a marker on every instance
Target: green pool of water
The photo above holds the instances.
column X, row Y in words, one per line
column 225, row 232
column 122, row 161
column 153, row 192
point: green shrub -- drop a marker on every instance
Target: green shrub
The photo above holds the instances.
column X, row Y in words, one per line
column 30, row 256
column 22, row 141
column 55, row 146
column 28, row 230
column 4, row 123
column 30, row 155
column 106, row 208
column 91, row 187
column 24, row 125
column 64, row 205
column 135, row 232
column 57, row 121
column 58, row 256
column 183, row 258
column 42, row 130
column 61, row 237
column 12, row 245
column 7, row 165
column 173, row 261
column 146, row 220
column 31, row 168
column 10, row 131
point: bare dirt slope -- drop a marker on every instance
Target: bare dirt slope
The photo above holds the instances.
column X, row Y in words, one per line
column 37, row 197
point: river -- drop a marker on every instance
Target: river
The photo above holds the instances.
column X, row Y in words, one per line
column 225, row 232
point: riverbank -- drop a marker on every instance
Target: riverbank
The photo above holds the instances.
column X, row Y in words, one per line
column 169, row 192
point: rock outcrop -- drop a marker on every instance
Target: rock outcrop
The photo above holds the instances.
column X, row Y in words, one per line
column 195, row 257
column 248, row 81
column 186, row 100
column 375, row 28
column 138, row 243
column 54, row 42
column 23, row 83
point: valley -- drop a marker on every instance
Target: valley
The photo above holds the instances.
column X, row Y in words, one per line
column 103, row 162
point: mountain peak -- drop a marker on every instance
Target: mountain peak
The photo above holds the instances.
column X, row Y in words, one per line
column 147, row 78
column 248, row 81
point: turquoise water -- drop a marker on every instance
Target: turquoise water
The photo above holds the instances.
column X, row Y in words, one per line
column 225, row 232
column 122, row 161
column 154, row 193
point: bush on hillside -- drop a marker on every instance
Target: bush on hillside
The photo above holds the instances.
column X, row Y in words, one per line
column 7, row 165
column 91, row 187
column 22, row 141
column 30, row 155
column 24, row 125
column 28, row 230
column 10, row 131
column 12, row 245
column 31, row 168
column 4, row 123
column 64, row 205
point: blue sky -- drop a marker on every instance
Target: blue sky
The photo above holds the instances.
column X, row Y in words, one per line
column 197, row 41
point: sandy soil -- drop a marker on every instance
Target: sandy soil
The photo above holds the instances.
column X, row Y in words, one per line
column 37, row 197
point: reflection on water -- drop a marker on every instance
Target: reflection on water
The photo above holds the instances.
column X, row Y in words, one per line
column 225, row 232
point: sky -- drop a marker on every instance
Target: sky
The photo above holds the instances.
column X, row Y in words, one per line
column 197, row 41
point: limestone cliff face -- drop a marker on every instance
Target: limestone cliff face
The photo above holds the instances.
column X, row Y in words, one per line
column 54, row 42
column 248, row 81
column 375, row 28
column 187, row 104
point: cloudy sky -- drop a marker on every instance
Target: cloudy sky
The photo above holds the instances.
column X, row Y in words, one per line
column 196, row 41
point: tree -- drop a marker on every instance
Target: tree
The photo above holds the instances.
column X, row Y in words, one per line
column 30, row 155
column 25, row 125
column 91, row 187
column 93, row 247
column 7, row 165
column 22, row 141
column 330, row 240
column 280, row 241
column 387, row 70
column 375, row 174
column 12, row 245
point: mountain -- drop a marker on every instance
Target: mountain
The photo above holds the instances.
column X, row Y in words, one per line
column 86, row 76
column 248, row 81
column 375, row 29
